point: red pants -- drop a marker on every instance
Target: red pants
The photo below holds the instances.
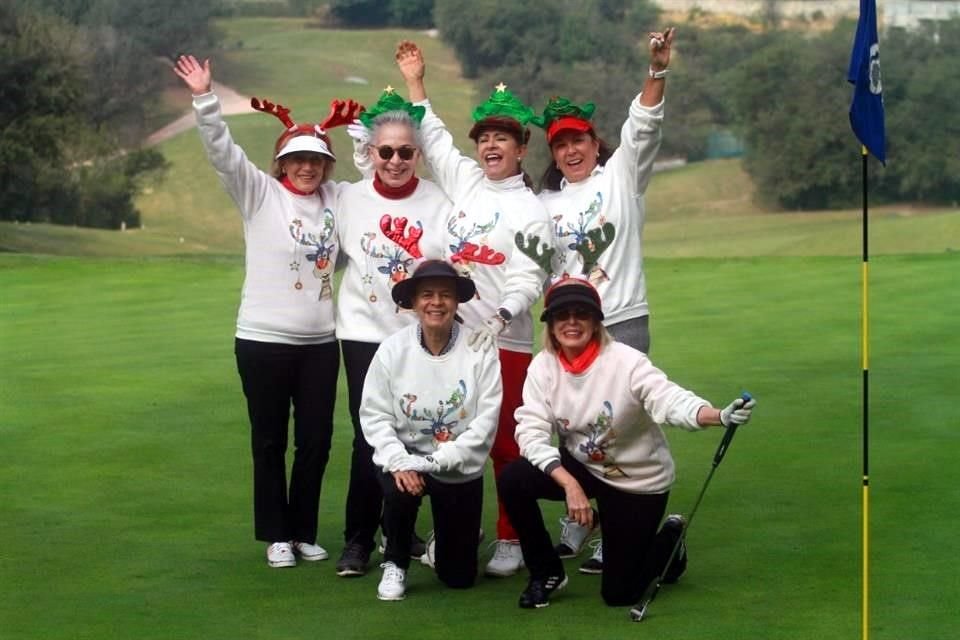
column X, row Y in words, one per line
column 513, row 373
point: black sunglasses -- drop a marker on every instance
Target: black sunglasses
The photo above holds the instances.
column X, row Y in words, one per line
column 578, row 313
column 386, row 152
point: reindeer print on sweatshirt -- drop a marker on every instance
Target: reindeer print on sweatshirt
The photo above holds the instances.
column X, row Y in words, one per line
column 392, row 259
column 317, row 248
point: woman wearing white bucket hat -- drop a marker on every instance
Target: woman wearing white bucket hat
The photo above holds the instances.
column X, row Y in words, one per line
column 285, row 346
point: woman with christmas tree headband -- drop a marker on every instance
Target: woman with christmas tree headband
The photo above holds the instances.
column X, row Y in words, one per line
column 386, row 224
column 498, row 234
column 285, row 346
column 595, row 200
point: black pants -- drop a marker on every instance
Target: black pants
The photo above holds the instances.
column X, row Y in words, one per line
column 633, row 552
column 364, row 495
column 457, row 509
column 274, row 376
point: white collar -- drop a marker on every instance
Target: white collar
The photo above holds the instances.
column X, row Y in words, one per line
column 507, row 184
column 597, row 170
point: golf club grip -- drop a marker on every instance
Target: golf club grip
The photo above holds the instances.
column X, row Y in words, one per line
column 728, row 435
column 724, row 443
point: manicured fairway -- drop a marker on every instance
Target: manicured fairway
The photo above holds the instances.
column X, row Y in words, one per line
column 125, row 472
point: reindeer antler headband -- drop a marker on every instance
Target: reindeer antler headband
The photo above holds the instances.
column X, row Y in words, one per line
column 342, row 112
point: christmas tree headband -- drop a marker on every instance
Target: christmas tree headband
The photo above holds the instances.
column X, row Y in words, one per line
column 341, row 112
column 502, row 110
column 390, row 100
column 560, row 114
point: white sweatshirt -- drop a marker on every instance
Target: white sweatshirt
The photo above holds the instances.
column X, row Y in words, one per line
column 374, row 263
column 291, row 247
column 489, row 214
column 612, row 195
column 607, row 417
column 443, row 406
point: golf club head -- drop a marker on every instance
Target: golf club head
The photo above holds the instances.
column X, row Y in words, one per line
column 638, row 612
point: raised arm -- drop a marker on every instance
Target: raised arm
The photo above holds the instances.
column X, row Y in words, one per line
column 641, row 134
column 412, row 68
column 242, row 179
column 195, row 75
column 653, row 87
column 450, row 168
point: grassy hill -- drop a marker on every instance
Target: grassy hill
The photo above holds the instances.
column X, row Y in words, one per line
column 699, row 210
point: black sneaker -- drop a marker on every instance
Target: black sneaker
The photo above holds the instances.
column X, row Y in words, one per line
column 353, row 561
column 594, row 564
column 418, row 546
column 537, row 593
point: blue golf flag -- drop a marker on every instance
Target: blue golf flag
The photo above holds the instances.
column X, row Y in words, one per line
column 866, row 110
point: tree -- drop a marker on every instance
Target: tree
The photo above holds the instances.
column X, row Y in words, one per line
column 380, row 13
column 58, row 163
column 791, row 106
column 792, row 113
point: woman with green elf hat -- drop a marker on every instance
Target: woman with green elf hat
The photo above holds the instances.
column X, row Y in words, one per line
column 499, row 235
column 595, row 199
column 387, row 224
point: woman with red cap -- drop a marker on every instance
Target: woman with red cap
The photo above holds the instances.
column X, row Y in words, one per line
column 500, row 236
column 605, row 402
column 595, row 199
column 285, row 345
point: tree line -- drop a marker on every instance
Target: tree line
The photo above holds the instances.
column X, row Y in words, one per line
column 784, row 93
column 77, row 78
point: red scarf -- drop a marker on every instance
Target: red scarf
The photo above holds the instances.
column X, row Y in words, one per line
column 285, row 181
column 394, row 193
column 583, row 361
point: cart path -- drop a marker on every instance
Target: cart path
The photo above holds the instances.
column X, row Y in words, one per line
column 231, row 103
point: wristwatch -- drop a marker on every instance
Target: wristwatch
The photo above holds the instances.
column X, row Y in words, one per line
column 505, row 315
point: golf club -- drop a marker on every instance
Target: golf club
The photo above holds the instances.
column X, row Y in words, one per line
column 639, row 610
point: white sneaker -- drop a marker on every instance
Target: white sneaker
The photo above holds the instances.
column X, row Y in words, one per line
column 429, row 557
column 594, row 564
column 507, row 559
column 310, row 552
column 280, row 554
column 393, row 584
column 572, row 536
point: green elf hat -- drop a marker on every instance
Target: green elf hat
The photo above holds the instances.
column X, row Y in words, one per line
column 502, row 111
column 390, row 100
column 560, row 115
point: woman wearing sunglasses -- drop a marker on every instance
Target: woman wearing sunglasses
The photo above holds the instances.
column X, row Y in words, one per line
column 285, row 346
column 606, row 402
column 386, row 224
column 498, row 234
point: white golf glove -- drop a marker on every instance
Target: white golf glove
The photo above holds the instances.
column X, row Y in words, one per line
column 359, row 132
column 737, row 412
column 485, row 336
column 419, row 464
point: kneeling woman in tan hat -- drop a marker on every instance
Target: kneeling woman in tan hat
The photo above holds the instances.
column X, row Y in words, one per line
column 429, row 410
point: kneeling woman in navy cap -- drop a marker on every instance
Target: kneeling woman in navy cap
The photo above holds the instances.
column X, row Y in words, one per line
column 606, row 401
column 429, row 410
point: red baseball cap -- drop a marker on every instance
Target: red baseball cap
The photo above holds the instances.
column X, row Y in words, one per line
column 565, row 123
